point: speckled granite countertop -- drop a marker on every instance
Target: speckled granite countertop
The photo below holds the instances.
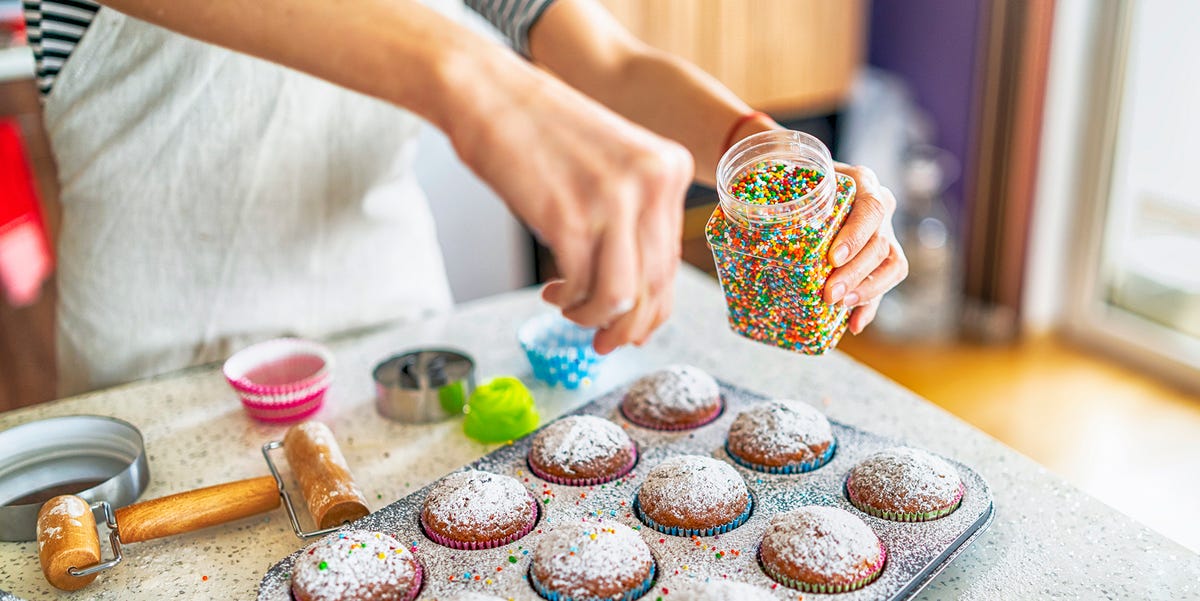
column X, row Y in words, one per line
column 1049, row 540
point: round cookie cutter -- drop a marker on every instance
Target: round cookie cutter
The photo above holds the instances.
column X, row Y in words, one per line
column 424, row 385
column 94, row 457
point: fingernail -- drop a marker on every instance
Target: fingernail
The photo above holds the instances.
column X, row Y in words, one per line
column 623, row 307
column 851, row 299
column 839, row 289
column 840, row 254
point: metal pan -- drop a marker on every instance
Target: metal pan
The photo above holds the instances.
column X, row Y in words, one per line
column 97, row 458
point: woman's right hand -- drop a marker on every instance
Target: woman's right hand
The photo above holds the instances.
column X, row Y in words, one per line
column 605, row 194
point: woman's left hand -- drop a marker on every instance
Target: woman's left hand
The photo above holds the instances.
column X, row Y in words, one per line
column 866, row 257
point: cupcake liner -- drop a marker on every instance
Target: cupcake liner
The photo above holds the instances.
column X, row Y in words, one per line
column 708, row 419
column 489, row 544
column 274, row 351
column 896, row 516
column 418, row 579
column 791, row 468
column 826, row 589
column 629, row 595
column 282, row 413
column 628, row 467
column 559, row 351
column 677, row 531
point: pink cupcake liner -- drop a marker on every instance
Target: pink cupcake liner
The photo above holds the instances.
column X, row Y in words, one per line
column 418, row 579
column 276, row 352
column 288, row 413
column 534, row 510
column 628, row 467
column 897, row 516
column 708, row 419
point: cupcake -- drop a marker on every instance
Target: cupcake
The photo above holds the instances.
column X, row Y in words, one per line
column 692, row 588
column 781, row 437
column 819, row 549
column 679, row 397
column 356, row 565
column 472, row 596
column 591, row 561
column 692, row 495
column 905, row 485
column 473, row 509
column 582, row 450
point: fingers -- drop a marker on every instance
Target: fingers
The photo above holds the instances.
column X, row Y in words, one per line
column 847, row 278
column 615, row 288
column 861, row 316
column 890, row 272
column 574, row 254
column 873, row 205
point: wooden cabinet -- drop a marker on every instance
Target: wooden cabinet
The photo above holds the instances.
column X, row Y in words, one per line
column 787, row 57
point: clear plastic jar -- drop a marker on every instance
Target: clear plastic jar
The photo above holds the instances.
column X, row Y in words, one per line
column 781, row 203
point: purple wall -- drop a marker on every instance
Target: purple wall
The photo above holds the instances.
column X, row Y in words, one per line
column 932, row 44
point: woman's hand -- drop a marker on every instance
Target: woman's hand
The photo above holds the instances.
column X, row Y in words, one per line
column 606, row 195
column 867, row 259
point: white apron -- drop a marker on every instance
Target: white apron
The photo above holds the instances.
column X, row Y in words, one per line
column 211, row 199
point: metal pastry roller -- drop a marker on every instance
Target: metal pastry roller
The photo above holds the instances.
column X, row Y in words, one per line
column 69, row 544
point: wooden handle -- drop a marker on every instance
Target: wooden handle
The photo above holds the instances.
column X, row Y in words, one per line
column 325, row 480
column 196, row 509
column 67, row 538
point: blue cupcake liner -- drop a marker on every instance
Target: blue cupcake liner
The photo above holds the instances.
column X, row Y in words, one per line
column 559, row 351
column 791, row 468
column 685, row 532
column 629, row 595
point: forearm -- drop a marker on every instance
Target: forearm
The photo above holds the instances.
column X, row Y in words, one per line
column 583, row 45
column 397, row 50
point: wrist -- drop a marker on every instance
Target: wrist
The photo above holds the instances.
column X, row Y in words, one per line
column 748, row 125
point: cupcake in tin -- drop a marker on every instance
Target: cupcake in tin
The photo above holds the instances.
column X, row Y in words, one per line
column 582, row 450
column 781, row 437
column 905, row 485
column 591, row 561
column 693, row 495
column 474, row 509
column 819, row 549
column 680, row 397
column 359, row 565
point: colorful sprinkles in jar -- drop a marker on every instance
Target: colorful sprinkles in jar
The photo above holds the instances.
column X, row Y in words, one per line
column 770, row 237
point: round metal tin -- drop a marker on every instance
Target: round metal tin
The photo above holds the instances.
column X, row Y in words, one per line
column 424, row 386
column 94, row 457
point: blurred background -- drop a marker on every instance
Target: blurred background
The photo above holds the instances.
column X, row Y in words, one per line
column 1041, row 153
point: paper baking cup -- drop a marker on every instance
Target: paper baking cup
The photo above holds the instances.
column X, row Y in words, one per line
column 905, row 517
column 677, row 531
column 534, row 510
column 286, row 399
column 826, row 589
column 418, row 580
column 628, row 467
column 629, row 595
column 708, row 419
column 791, row 468
column 559, row 351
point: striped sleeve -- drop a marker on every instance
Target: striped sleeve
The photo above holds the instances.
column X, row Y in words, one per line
column 54, row 28
column 513, row 18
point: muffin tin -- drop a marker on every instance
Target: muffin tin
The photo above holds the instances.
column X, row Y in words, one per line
column 917, row 552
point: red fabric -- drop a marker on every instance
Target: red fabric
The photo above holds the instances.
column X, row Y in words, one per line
column 25, row 258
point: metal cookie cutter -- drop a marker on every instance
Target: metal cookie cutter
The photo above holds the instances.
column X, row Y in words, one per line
column 423, row 386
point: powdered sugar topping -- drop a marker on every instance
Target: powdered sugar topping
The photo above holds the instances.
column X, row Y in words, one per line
column 904, row 476
column 780, row 427
column 826, row 541
column 686, row 484
column 579, row 560
column 711, row 589
column 477, row 501
column 576, row 441
column 675, row 390
column 356, row 564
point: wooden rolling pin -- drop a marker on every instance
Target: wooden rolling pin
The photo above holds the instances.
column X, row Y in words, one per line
column 67, row 536
column 325, row 481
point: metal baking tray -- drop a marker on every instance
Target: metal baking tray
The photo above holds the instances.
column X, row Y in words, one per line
column 917, row 552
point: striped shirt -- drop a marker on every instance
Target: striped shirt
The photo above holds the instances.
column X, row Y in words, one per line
column 56, row 26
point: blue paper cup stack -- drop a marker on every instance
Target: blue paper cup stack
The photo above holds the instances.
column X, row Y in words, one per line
column 559, row 351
